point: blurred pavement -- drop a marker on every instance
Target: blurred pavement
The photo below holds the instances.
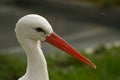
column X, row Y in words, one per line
column 83, row 27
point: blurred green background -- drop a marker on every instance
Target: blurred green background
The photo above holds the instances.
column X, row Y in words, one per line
column 91, row 26
column 66, row 67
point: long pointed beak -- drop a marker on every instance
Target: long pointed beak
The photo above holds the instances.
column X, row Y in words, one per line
column 58, row 42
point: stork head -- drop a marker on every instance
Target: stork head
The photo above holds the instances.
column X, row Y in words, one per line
column 37, row 28
column 34, row 27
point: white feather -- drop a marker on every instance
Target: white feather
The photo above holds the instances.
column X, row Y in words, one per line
column 30, row 40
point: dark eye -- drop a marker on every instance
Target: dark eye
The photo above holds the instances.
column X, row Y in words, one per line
column 39, row 30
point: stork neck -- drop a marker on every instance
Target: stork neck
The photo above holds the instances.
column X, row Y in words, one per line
column 36, row 63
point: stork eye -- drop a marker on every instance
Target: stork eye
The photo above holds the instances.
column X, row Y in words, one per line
column 39, row 29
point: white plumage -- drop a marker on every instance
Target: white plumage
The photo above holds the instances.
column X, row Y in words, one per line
column 31, row 30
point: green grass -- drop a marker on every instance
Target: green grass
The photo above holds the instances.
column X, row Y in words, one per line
column 64, row 67
column 11, row 67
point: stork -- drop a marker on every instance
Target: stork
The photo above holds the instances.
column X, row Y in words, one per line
column 30, row 31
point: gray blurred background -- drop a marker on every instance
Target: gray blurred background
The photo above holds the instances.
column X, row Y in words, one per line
column 82, row 23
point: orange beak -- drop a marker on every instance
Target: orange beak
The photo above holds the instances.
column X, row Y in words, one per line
column 58, row 42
